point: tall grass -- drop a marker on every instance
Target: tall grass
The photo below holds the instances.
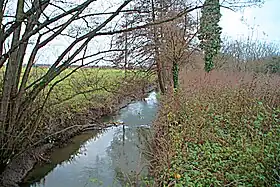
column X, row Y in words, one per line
column 220, row 129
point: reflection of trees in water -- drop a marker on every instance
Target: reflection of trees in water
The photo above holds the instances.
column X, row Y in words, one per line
column 61, row 156
column 95, row 173
column 126, row 152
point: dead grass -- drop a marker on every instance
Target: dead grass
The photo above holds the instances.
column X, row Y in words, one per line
column 220, row 129
column 259, row 85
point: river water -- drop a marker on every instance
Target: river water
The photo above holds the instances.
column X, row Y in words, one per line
column 111, row 157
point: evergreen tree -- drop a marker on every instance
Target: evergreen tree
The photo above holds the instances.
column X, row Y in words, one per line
column 210, row 32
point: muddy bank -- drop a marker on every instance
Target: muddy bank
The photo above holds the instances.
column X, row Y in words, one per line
column 18, row 168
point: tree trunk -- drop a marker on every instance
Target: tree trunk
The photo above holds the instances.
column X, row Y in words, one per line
column 125, row 51
column 1, row 28
column 158, row 63
column 175, row 72
column 10, row 81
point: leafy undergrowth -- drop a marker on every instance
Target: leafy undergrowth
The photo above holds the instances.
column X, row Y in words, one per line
column 219, row 136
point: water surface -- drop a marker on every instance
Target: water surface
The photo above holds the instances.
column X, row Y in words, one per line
column 112, row 157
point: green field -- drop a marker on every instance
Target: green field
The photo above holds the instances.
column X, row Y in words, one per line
column 94, row 87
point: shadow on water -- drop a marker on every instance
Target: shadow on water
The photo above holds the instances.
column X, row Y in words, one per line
column 112, row 157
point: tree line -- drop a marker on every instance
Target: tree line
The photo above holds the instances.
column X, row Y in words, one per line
column 158, row 35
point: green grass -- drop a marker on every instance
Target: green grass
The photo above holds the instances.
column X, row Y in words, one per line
column 86, row 87
column 100, row 87
column 80, row 98
column 93, row 83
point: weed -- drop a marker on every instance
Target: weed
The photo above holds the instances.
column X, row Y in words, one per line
column 220, row 133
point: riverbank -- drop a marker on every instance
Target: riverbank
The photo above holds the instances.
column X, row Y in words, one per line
column 68, row 123
column 219, row 129
column 109, row 157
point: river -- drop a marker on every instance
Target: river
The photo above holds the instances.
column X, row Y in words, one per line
column 110, row 157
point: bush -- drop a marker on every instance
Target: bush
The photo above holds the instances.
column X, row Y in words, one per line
column 227, row 134
column 273, row 66
column 250, row 55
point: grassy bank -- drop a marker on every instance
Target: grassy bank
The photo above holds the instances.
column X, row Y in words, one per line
column 72, row 100
column 219, row 129
column 88, row 94
column 65, row 106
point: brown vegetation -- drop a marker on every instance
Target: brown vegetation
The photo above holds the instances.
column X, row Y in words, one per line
column 61, row 122
column 221, row 128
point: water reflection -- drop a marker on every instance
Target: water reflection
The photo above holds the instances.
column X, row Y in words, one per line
column 109, row 158
column 126, row 152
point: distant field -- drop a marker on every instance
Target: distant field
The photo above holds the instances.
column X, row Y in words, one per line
column 87, row 86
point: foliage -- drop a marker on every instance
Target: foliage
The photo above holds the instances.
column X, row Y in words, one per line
column 273, row 66
column 220, row 135
column 210, row 31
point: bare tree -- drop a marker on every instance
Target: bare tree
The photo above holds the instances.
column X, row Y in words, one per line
column 249, row 55
column 34, row 25
column 34, row 20
column 177, row 47
column 144, row 47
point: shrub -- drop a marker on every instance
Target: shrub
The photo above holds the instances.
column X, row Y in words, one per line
column 224, row 129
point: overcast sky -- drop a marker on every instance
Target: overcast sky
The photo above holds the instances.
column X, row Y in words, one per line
column 264, row 20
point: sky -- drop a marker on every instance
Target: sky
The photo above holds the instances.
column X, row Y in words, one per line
column 265, row 22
